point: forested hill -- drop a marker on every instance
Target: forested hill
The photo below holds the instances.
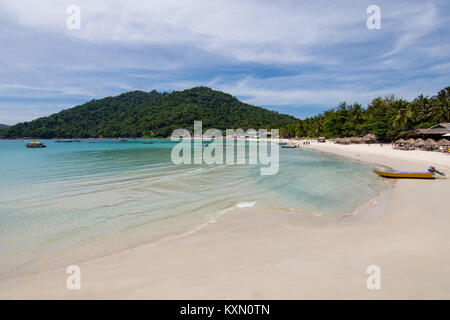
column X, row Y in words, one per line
column 150, row 114
column 3, row 126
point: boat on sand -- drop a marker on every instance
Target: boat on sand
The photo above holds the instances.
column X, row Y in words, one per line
column 429, row 174
column 398, row 174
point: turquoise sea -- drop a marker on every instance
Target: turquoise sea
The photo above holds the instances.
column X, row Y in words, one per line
column 73, row 202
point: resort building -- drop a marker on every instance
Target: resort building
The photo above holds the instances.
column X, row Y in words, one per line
column 435, row 132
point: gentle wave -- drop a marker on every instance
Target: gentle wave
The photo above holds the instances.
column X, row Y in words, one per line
column 246, row 204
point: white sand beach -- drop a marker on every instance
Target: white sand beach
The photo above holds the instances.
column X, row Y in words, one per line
column 255, row 254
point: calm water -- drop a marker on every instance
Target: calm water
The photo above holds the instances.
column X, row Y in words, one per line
column 72, row 202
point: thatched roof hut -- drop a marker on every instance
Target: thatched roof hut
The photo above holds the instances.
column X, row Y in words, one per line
column 430, row 142
column 419, row 142
column 434, row 132
column 444, row 142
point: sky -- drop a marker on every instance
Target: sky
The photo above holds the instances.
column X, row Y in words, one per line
column 296, row 57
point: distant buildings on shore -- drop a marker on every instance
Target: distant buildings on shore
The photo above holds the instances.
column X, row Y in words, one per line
column 435, row 132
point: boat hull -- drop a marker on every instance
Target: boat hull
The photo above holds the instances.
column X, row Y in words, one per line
column 35, row 145
column 405, row 175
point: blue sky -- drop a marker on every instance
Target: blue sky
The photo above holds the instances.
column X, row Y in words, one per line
column 296, row 57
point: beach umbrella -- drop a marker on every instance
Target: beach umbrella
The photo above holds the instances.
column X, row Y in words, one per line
column 410, row 141
column 446, row 135
column 419, row 142
column 444, row 142
column 400, row 141
column 430, row 142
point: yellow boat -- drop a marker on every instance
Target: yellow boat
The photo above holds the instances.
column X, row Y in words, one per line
column 397, row 174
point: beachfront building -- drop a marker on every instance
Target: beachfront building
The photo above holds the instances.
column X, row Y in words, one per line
column 253, row 134
column 321, row 139
column 435, row 132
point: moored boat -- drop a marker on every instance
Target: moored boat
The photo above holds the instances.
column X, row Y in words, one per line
column 35, row 145
column 67, row 141
column 289, row 146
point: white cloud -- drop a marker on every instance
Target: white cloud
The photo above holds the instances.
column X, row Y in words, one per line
column 258, row 31
column 291, row 91
column 324, row 48
column 420, row 21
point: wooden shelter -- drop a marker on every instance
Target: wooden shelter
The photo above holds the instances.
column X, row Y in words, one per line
column 443, row 142
column 419, row 142
column 434, row 132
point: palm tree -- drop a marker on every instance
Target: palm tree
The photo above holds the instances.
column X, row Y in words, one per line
column 319, row 125
column 401, row 119
column 421, row 109
column 356, row 117
column 441, row 109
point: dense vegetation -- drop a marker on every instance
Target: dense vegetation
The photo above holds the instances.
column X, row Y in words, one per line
column 385, row 117
column 153, row 114
column 142, row 114
column 3, row 126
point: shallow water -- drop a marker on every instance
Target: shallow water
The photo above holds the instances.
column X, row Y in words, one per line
column 73, row 202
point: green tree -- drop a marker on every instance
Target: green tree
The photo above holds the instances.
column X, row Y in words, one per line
column 441, row 108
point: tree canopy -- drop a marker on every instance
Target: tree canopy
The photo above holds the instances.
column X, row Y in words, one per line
column 153, row 114
column 385, row 117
